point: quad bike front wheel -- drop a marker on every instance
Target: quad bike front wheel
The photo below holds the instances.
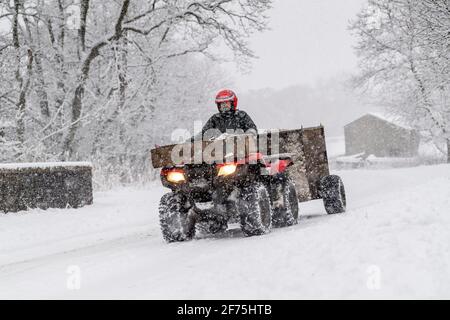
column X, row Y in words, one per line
column 285, row 205
column 176, row 219
column 255, row 210
column 333, row 194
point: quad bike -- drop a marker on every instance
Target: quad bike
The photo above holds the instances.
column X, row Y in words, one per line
column 259, row 190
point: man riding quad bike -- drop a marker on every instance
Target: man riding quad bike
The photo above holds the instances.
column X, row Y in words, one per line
column 254, row 191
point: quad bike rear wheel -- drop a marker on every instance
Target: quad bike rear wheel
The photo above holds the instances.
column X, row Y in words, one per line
column 285, row 205
column 333, row 194
column 255, row 210
column 176, row 218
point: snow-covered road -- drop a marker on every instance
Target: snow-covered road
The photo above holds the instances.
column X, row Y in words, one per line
column 394, row 242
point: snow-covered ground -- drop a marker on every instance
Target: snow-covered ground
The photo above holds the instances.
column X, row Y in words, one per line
column 335, row 146
column 394, row 242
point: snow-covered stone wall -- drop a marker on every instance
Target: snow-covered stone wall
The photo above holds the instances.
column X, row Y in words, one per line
column 45, row 185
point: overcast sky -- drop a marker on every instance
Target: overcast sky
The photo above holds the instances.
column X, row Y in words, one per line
column 309, row 41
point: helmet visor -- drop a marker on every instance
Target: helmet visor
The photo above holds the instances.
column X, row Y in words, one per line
column 224, row 106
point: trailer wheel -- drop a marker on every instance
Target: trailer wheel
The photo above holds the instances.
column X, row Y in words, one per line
column 176, row 219
column 254, row 210
column 285, row 206
column 333, row 194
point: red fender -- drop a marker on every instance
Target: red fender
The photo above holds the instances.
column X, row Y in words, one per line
column 278, row 166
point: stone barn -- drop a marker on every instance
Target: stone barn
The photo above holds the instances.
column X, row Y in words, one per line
column 383, row 137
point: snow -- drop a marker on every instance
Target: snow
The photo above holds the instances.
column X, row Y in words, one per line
column 43, row 165
column 335, row 146
column 5, row 124
column 394, row 119
column 362, row 160
column 429, row 149
column 393, row 242
column 428, row 154
column 356, row 158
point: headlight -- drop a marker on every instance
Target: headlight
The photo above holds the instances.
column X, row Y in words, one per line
column 227, row 169
column 176, row 176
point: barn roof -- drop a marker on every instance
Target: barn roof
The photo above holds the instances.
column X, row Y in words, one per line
column 395, row 120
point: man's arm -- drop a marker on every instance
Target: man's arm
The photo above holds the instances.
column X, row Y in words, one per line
column 247, row 124
column 208, row 125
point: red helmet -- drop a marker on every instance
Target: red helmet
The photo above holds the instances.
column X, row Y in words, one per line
column 227, row 95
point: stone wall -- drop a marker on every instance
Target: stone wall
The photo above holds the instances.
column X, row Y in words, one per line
column 46, row 185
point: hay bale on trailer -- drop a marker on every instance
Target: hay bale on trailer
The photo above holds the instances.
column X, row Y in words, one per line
column 45, row 185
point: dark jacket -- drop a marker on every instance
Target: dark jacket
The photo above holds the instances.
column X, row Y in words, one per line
column 236, row 121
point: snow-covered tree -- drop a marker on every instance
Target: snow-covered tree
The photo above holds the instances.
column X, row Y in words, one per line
column 106, row 80
column 404, row 52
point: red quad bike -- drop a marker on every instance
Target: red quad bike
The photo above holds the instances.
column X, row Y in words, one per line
column 259, row 192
